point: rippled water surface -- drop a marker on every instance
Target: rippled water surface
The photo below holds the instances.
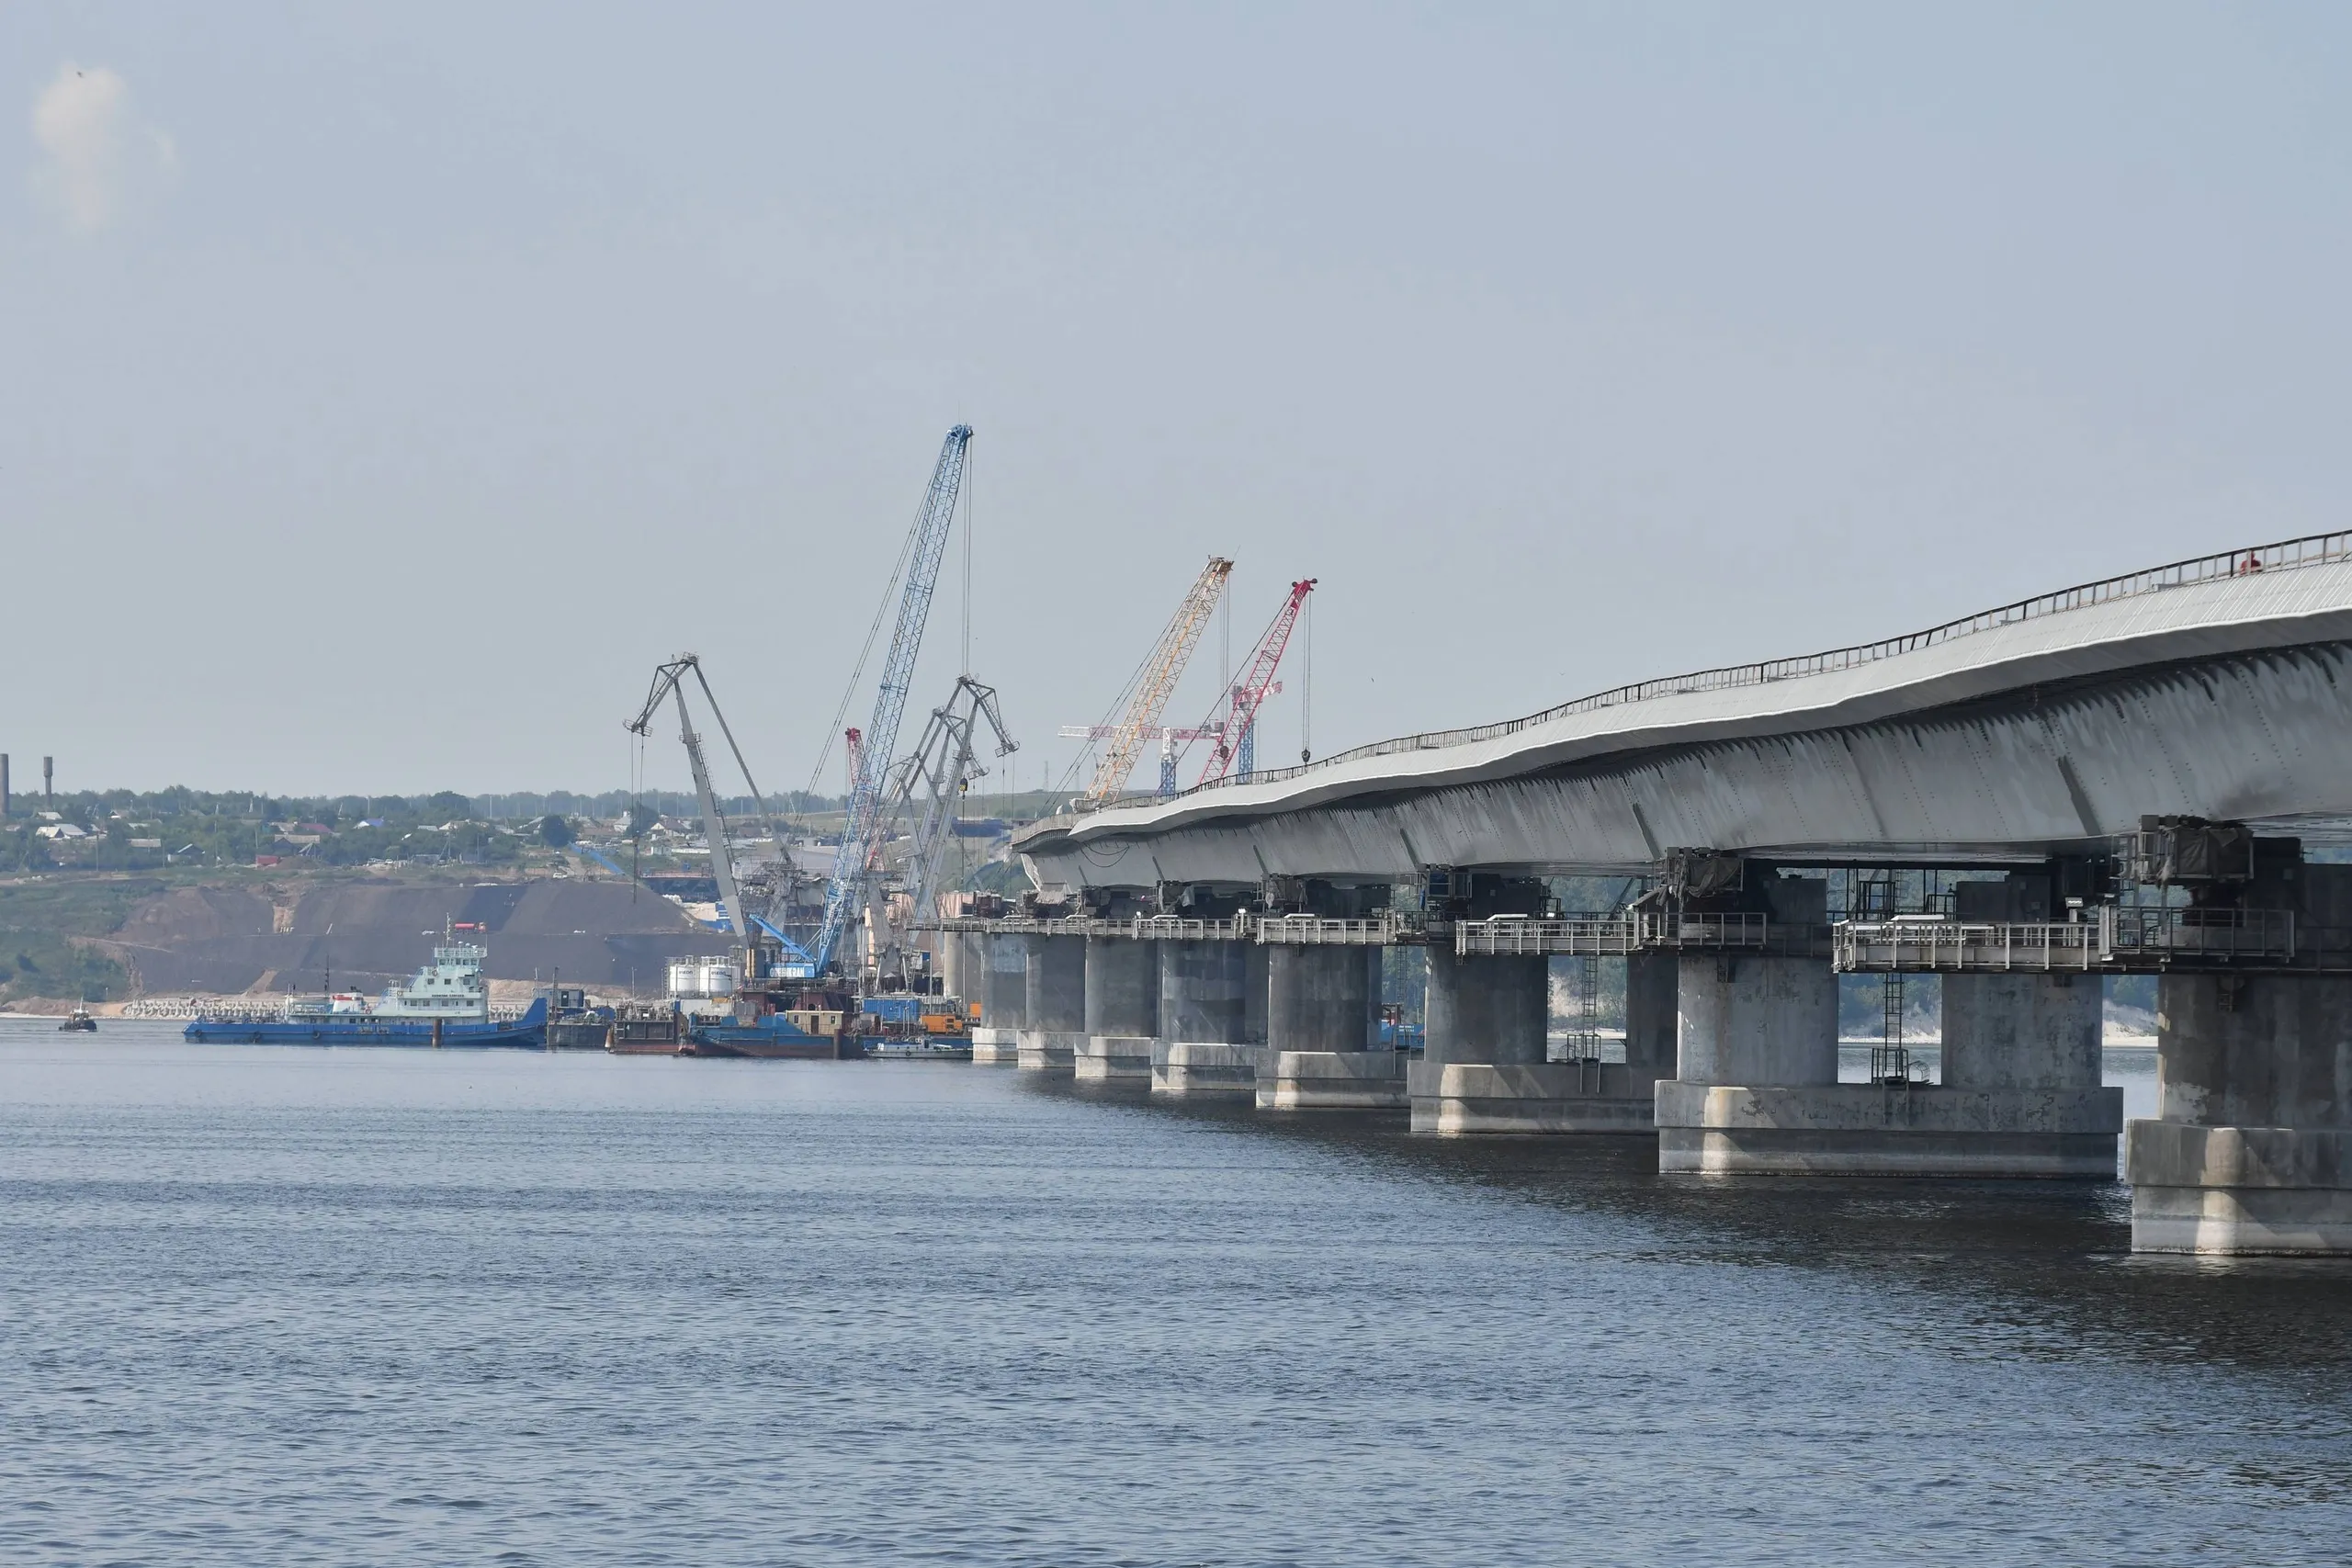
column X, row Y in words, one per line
column 264, row 1306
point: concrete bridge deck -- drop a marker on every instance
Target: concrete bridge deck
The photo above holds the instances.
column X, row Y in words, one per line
column 2220, row 688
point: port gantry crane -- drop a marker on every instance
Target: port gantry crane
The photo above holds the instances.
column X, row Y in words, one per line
column 927, row 787
column 856, row 867
column 1154, row 683
column 1238, row 732
column 669, row 681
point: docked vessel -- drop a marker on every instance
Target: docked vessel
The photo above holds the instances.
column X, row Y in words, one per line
column 573, row 1025
column 445, row 1003
column 591, row 1030
column 794, row 1035
column 914, row 1027
column 639, row 1028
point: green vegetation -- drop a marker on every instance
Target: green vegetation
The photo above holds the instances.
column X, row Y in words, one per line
column 40, row 922
column 133, row 831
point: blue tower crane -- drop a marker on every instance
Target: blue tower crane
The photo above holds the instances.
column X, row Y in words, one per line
column 856, row 867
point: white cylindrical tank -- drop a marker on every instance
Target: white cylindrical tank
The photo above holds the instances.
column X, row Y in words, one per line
column 718, row 977
column 686, row 978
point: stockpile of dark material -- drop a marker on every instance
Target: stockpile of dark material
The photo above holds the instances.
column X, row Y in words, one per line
column 370, row 935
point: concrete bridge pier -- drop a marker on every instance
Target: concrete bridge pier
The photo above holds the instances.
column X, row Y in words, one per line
column 1003, row 995
column 1483, row 1069
column 1122, row 1010
column 1484, row 1020
column 1257, row 971
column 2252, row 1150
column 954, row 967
column 1323, row 1030
column 2020, row 1094
column 1755, row 1088
column 1205, row 1047
column 1057, row 992
column 1755, row 1065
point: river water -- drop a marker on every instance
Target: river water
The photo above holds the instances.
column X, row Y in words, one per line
column 267, row 1305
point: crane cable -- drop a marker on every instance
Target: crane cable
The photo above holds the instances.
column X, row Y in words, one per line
column 849, row 692
column 968, row 564
column 1110, row 715
column 1307, row 693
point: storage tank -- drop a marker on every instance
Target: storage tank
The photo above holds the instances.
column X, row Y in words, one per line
column 686, row 978
column 718, row 976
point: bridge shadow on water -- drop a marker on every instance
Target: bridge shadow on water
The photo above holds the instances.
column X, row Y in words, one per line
column 2052, row 1260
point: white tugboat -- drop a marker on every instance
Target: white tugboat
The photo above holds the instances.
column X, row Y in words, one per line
column 445, row 1003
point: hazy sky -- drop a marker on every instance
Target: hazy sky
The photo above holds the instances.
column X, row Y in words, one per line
column 390, row 388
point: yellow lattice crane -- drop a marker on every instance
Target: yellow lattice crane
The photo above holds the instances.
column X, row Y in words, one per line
column 1157, row 679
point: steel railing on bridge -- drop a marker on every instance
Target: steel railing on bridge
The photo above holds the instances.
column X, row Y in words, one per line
column 2113, row 939
column 1619, row 936
column 1177, row 928
column 1143, row 928
column 1384, row 929
column 2315, row 550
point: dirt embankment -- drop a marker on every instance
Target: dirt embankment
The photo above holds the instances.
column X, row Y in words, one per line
column 366, row 935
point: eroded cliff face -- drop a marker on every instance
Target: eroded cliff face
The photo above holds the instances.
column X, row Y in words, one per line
column 368, row 934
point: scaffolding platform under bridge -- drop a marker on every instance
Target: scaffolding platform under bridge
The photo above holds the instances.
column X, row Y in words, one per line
column 1641, row 931
column 2110, row 940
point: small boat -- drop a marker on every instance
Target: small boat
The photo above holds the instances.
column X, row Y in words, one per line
column 921, row 1048
column 80, row 1022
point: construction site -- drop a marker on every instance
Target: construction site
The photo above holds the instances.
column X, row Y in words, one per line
column 837, row 942
column 727, row 921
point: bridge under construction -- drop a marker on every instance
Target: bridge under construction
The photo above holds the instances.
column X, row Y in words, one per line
column 2137, row 777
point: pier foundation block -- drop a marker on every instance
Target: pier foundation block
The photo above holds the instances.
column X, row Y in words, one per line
column 1870, row 1130
column 1049, row 1050
column 995, row 1047
column 1102, row 1058
column 1204, row 1069
column 1334, row 1080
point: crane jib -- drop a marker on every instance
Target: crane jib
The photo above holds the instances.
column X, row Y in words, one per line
column 1157, row 679
column 852, row 865
column 669, row 682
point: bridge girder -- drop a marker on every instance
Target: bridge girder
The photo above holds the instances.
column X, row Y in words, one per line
column 2262, row 736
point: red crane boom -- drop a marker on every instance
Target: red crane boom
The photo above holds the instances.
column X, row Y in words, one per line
column 1257, row 683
